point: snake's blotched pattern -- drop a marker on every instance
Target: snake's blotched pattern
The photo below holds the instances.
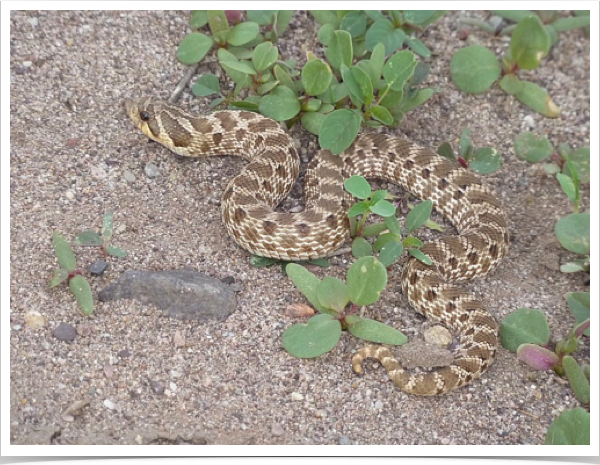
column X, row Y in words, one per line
column 273, row 164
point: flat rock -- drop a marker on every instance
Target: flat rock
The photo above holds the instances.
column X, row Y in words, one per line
column 182, row 294
column 421, row 354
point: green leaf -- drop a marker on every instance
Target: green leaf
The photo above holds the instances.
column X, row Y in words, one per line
column 376, row 63
column 261, row 17
column 392, row 224
column 338, row 130
column 312, row 122
column 382, row 114
column 319, row 335
column 474, row 69
column 219, row 26
column 242, row 33
column 581, row 159
column 465, row 147
column 83, row 294
column 568, row 186
column 207, row 84
column 383, row 208
column 88, row 239
column 573, row 233
column 390, row 252
column 571, row 427
column 567, row 24
column 63, row 251
column 364, row 83
column 374, row 229
column 412, row 241
column 485, row 160
column 58, row 277
column 266, row 88
column 418, row 47
column 115, row 251
column 385, row 239
column 284, row 78
column 358, row 209
column 198, row 19
column 244, row 67
column 281, row 104
column 325, row 17
column 193, row 48
column 244, row 105
column 333, row 294
column 418, row 17
column 366, row 279
column 326, row 33
column 374, row 331
column 530, row 94
column 307, row 283
column 264, row 56
column 383, row 31
column 525, row 326
column 529, row 43
column 399, row 68
column 445, row 150
column 358, row 186
column 419, row 255
column 579, row 383
column 261, row 262
column 422, row 95
column 339, row 52
column 532, row 148
column 418, row 216
column 316, row 76
column 361, row 247
column 579, row 304
column 355, row 23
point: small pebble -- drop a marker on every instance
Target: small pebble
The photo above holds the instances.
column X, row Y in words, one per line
column 64, row 332
column 27, row 64
column 151, row 170
column 34, row 320
column 344, row 441
column 124, row 353
column 33, row 21
column 529, row 121
column 378, row 405
column 172, row 386
column 84, row 329
column 296, row 396
column 157, row 387
column 128, row 176
column 439, row 336
column 109, row 404
column 98, row 267
column 277, row 429
column 70, row 195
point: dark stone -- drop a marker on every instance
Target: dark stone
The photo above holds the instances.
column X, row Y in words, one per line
column 183, row 294
column 124, row 353
column 98, row 267
column 64, row 332
column 228, row 280
column 157, row 387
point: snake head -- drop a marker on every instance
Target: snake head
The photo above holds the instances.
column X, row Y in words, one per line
column 143, row 113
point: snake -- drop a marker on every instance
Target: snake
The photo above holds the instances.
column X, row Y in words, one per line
column 248, row 208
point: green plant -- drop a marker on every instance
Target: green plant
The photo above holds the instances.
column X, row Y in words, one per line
column 337, row 301
column 389, row 243
column 475, row 68
column 571, row 427
column 93, row 239
column 572, row 169
column 553, row 23
column 68, row 271
column 329, row 97
column 484, row 160
column 526, row 332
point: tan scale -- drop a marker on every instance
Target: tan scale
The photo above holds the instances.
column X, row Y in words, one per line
column 248, row 214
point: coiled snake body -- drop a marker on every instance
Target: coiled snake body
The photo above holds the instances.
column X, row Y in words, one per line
column 248, row 214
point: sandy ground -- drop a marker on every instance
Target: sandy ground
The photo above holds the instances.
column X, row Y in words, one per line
column 75, row 155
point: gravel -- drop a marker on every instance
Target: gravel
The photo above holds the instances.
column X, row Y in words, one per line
column 74, row 156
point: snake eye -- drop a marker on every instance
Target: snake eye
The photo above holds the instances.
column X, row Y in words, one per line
column 144, row 116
